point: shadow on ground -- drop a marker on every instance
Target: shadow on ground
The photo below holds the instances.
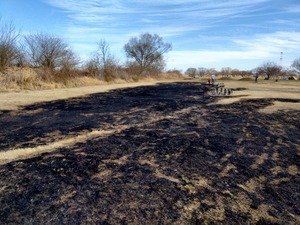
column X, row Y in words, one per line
column 172, row 159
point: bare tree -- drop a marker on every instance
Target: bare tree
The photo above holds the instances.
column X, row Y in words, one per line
column 202, row 71
column 21, row 59
column 212, row 71
column 175, row 71
column 92, row 66
column 102, row 63
column 191, row 72
column 256, row 72
column 226, row 71
column 107, row 62
column 235, row 72
column 69, row 61
column 105, row 57
column 46, row 51
column 296, row 65
column 147, row 50
column 8, row 45
column 245, row 73
column 269, row 69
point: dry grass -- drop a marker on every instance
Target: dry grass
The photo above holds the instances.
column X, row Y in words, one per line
column 17, row 79
column 264, row 89
column 86, row 85
column 280, row 106
column 24, row 153
column 20, row 87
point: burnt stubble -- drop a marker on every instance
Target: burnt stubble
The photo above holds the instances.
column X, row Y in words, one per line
column 171, row 158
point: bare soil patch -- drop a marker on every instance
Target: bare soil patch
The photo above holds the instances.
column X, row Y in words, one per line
column 164, row 154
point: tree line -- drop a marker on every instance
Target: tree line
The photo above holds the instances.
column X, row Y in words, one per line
column 52, row 54
column 56, row 60
column 267, row 70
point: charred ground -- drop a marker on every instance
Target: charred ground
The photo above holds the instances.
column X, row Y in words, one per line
column 171, row 158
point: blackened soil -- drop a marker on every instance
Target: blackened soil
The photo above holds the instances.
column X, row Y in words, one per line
column 175, row 159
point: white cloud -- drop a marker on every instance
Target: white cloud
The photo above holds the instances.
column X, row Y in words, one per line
column 249, row 53
column 275, row 42
column 95, row 11
column 167, row 18
column 191, row 24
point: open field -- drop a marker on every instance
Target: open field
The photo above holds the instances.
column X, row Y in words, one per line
column 265, row 89
column 262, row 89
column 169, row 153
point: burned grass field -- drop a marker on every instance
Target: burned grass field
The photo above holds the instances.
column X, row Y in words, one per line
column 151, row 155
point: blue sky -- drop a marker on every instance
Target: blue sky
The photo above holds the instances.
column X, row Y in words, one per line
column 239, row 34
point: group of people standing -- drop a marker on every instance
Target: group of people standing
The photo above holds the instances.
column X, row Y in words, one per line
column 212, row 80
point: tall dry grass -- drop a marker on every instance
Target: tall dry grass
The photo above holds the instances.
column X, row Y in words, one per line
column 14, row 79
column 17, row 78
column 33, row 79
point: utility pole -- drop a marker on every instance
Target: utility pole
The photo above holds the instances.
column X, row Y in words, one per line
column 281, row 58
column 280, row 65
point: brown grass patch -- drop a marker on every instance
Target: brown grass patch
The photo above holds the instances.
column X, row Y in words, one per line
column 262, row 90
column 25, row 153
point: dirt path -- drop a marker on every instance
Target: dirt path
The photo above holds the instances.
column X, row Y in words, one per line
column 163, row 154
column 13, row 100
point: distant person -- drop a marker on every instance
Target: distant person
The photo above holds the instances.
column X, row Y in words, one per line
column 209, row 81
column 213, row 79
